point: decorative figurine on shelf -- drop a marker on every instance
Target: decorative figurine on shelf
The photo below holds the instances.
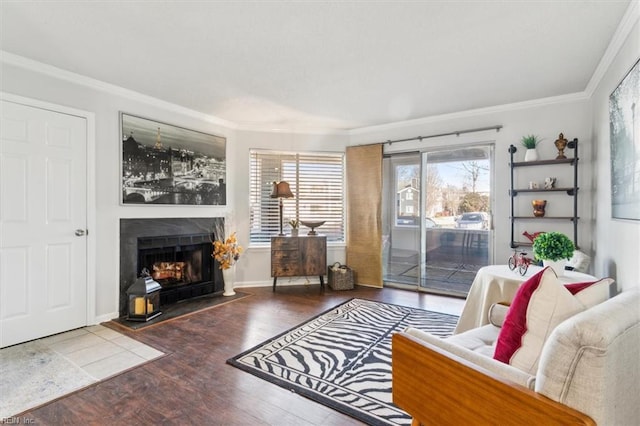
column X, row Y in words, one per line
column 561, row 144
column 549, row 183
column 533, row 236
column 538, row 207
column 521, row 261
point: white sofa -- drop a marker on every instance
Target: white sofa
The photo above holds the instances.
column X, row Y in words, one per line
column 588, row 371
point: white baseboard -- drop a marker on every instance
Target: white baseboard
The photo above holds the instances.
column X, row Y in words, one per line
column 283, row 281
column 104, row 318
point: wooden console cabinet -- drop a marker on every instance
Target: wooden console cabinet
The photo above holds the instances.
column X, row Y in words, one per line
column 298, row 256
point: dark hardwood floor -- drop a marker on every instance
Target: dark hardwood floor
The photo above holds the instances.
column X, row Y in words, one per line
column 192, row 384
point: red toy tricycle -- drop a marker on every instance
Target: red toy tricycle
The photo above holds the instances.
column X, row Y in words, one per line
column 521, row 261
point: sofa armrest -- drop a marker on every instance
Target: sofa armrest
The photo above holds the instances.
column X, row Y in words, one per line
column 438, row 387
column 496, row 367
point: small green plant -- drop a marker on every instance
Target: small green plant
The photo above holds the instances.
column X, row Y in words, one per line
column 552, row 246
column 530, row 141
column 294, row 224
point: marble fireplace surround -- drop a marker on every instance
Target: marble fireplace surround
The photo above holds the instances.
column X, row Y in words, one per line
column 132, row 229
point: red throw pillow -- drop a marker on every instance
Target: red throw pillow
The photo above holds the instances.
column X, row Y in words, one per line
column 514, row 325
column 577, row 287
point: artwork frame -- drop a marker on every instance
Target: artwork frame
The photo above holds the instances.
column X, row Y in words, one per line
column 166, row 164
column 624, row 131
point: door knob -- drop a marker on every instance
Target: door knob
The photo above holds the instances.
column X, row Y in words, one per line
column 80, row 232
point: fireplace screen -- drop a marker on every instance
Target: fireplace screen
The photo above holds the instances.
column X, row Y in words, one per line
column 187, row 269
column 182, row 263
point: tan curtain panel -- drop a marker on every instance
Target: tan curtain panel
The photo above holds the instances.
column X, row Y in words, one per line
column 364, row 218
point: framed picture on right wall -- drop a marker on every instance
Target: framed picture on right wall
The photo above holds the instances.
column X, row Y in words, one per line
column 624, row 130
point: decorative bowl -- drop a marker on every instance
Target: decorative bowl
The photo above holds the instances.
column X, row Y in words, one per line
column 312, row 225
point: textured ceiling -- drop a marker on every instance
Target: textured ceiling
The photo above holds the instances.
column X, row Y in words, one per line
column 312, row 64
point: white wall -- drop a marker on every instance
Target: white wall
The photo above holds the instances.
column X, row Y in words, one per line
column 106, row 106
column 617, row 242
column 569, row 115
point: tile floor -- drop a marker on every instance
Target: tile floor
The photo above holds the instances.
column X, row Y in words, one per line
column 42, row 370
column 100, row 351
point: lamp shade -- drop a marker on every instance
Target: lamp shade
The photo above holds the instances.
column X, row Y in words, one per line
column 281, row 190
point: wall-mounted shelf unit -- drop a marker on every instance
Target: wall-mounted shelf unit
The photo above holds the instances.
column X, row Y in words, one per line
column 570, row 191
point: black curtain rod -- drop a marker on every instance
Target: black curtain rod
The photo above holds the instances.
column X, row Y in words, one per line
column 457, row 133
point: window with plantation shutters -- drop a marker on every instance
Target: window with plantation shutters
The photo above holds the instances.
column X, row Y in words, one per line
column 317, row 183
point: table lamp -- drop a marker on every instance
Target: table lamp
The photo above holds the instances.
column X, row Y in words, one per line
column 281, row 190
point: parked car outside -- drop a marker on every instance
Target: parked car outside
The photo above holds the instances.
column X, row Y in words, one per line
column 408, row 220
column 473, row 220
column 414, row 220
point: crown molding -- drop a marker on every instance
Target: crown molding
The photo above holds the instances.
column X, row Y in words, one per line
column 534, row 103
column 630, row 18
column 32, row 65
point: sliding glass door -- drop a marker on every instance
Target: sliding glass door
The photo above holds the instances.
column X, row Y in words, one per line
column 401, row 215
column 437, row 216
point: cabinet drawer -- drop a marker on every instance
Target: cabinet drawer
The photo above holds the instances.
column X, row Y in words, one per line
column 285, row 270
column 284, row 243
column 278, row 256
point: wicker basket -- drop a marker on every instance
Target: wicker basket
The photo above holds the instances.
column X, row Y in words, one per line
column 340, row 277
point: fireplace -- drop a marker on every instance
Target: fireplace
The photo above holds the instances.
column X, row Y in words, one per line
column 181, row 264
column 175, row 252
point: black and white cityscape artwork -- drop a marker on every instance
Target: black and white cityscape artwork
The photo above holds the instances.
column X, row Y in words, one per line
column 166, row 164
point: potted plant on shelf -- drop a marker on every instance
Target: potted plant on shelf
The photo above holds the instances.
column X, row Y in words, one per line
column 530, row 142
column 294, row 227
column 554, row 249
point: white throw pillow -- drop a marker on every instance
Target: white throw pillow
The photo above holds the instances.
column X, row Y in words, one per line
column 541, row 303
column 579, row 261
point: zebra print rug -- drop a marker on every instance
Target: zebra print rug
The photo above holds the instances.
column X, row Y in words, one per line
column 342, row 358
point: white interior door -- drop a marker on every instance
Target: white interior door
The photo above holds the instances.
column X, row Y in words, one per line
column 43, row 214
